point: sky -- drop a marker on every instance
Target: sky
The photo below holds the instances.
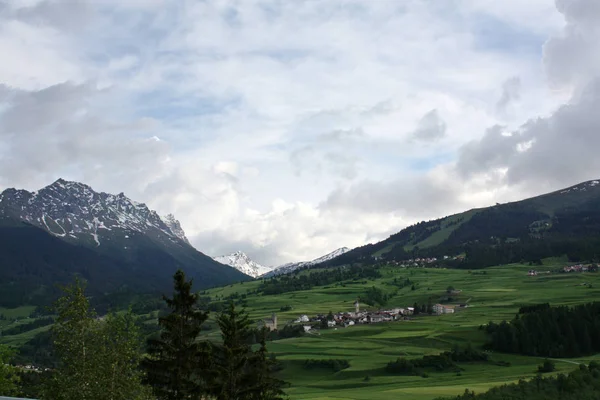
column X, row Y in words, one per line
column 287, row 129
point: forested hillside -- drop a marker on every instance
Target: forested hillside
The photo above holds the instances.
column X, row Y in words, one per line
column 565, row 222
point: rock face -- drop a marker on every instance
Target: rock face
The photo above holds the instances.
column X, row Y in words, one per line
column 76, row 213
column 291, row 267
column 115, row 243
column 243, row 263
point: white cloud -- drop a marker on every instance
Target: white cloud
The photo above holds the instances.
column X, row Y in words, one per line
column 287, row 128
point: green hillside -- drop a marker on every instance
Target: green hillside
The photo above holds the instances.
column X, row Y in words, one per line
column 493, row 294
column 562, row 222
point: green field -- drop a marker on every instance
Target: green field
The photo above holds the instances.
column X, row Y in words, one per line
column 492, row 294
column 495, row 295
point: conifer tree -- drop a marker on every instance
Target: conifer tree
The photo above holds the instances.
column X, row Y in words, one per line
column 75, row 339
column 232, row 379
column 177, row 361
column 99, row 360
column 266, row 387
column 120, row 354
column 9, row 377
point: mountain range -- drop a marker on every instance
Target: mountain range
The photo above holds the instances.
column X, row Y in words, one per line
column 113, row 242
column 291, row 267
column 121, row 246
column 243, row 263
column 564, row 222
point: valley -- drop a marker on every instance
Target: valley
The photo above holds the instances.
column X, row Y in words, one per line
column 472, row 268
column 492, row 294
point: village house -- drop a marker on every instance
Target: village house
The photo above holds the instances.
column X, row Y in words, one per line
column 443, row 309
column 375, row 318
column 303, row 318
column 576, row 268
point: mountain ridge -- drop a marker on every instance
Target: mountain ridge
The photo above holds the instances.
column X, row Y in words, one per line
column 291, row 267
column 240, row 261
column 539, row 226
column 135, row 248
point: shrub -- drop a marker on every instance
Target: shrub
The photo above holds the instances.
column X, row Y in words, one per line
column 547, row 366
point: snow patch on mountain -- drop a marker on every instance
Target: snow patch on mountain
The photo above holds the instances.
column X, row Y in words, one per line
column 291, row 267
column 583, row 187
column 75, row 212
column 243, row 263
column 175, row 227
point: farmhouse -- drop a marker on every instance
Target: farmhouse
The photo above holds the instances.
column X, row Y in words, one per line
column 303, row 318
column 375, row 318
column 443, row 309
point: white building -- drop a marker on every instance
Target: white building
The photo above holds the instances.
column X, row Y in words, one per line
column 443, row 309
column 303, row 318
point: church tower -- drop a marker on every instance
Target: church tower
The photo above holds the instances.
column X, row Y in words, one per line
column 274, row 317
column 357, row 306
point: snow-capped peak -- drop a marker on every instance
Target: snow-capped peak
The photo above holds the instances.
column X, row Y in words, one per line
column 330, row 256
column 175, row 226
column 240, row 261
column 75, row 212
column 291, row 267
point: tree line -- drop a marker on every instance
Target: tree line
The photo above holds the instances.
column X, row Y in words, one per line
column 104, row 359
column 581, row 384
column 38, row 323
column 445, row 361
column 296, row 282
column 549, row 331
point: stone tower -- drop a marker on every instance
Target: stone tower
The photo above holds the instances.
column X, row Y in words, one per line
column 274, row 317
column 357, row 306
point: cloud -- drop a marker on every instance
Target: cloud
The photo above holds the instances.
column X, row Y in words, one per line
column 560, row 149
column 430, row 127
column 283, row 129
column 59, row 130
column 511, row 92
column 573, row 58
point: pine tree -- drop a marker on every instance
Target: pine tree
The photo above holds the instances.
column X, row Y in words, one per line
column 9, row 377
column 177, row 361
column 232, row 379
column 75, row 339
column 120, row 354
column 266, row 387
column 98, row 359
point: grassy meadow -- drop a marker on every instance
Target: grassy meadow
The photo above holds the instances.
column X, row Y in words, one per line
column 492, row 294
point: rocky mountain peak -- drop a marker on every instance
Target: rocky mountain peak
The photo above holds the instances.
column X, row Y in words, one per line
column 291, row 267
column 75, row 212
column 240, row 261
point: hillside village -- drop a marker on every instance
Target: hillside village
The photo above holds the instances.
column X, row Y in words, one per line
column 567, row 269
column 346, row 319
